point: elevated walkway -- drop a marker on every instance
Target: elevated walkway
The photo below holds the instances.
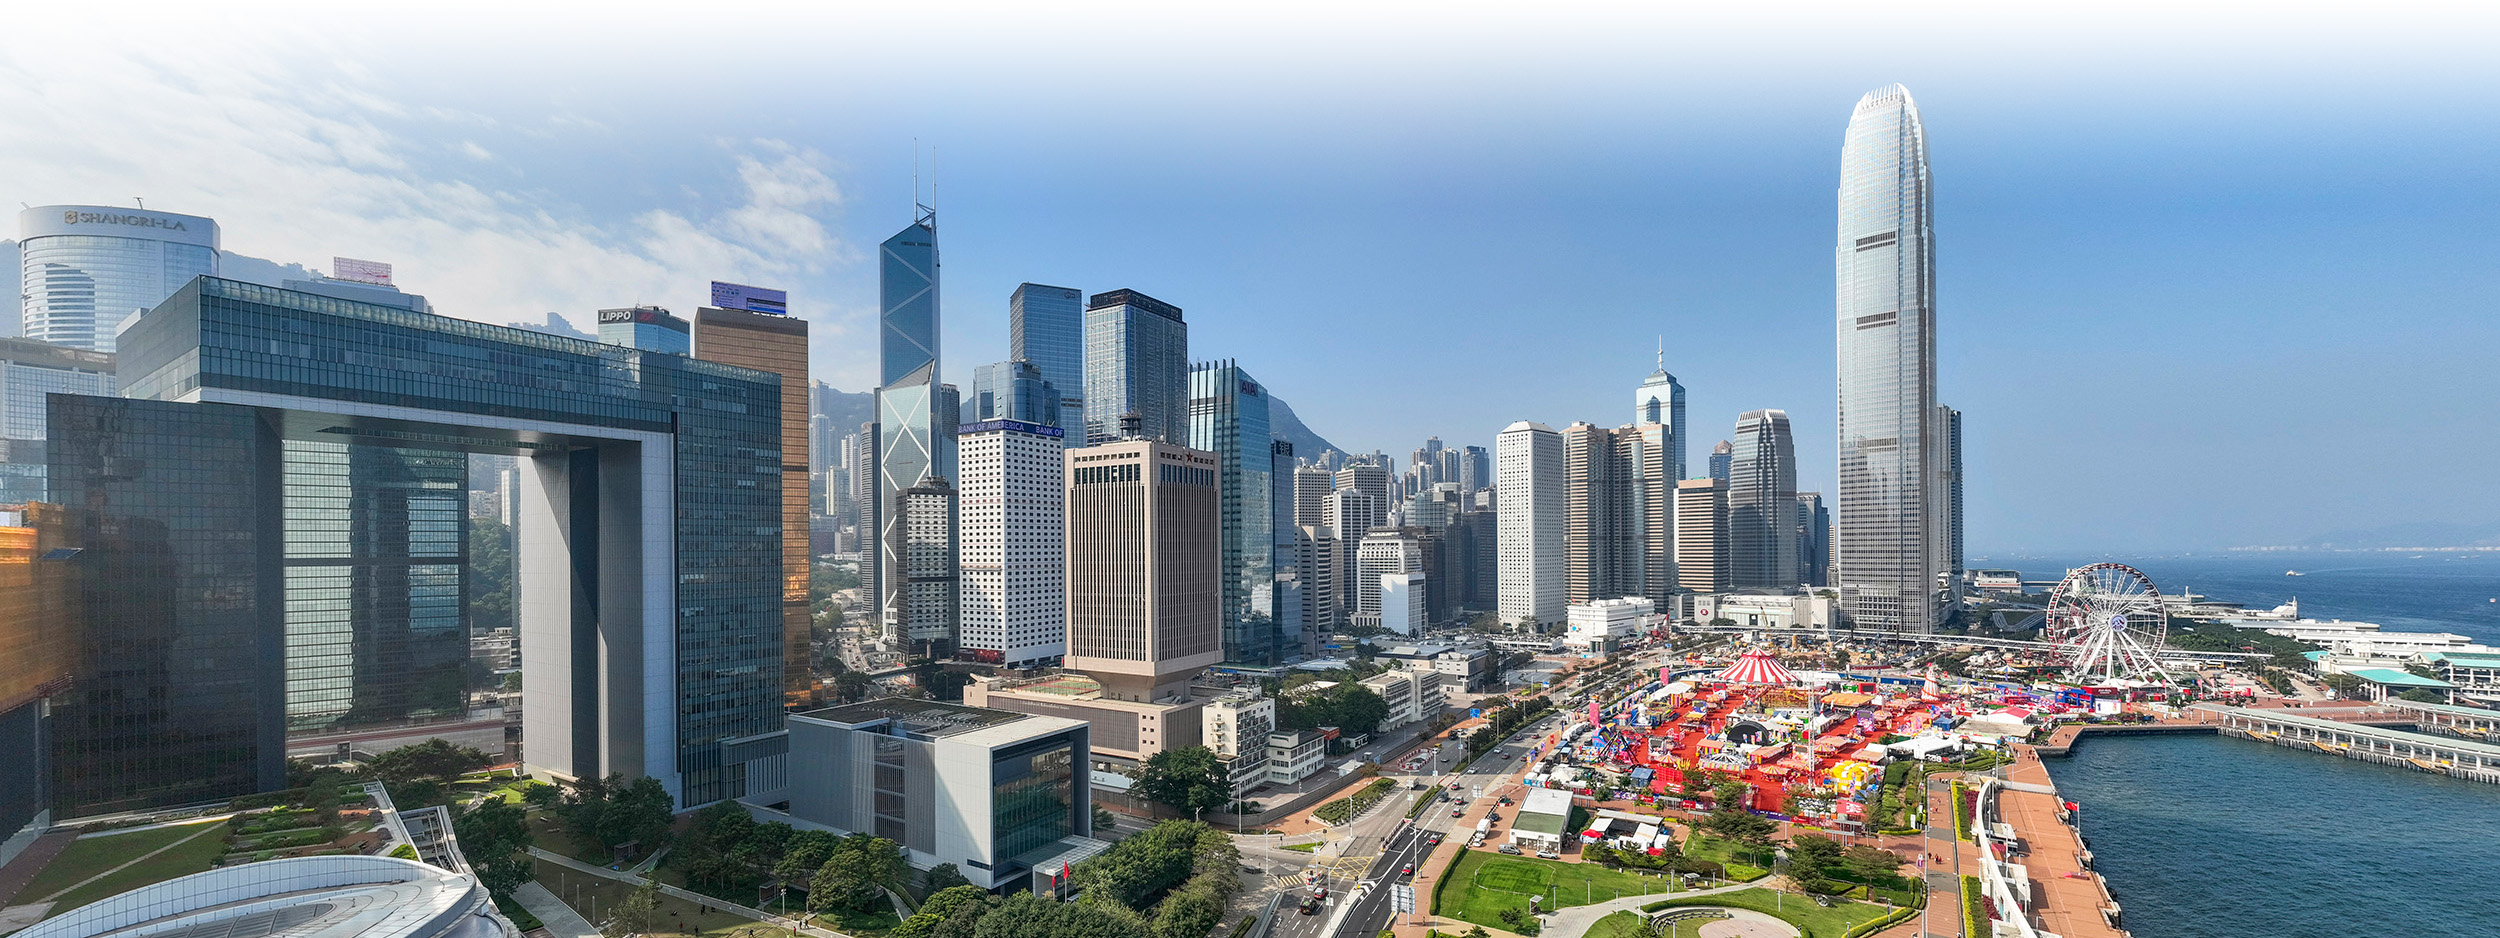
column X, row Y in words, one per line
column 2456, row 758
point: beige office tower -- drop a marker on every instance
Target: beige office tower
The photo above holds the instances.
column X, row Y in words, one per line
column 1310, row 496
column 778, row 344
column 1701, row 536
column 1604, row 530
column 1143, row 578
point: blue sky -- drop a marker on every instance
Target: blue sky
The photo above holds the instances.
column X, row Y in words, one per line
column 2206, row 278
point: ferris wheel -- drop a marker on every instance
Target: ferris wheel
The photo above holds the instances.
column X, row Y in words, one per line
column 2108, row 619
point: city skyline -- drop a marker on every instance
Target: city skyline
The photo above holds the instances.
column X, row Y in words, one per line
column 2208, row 278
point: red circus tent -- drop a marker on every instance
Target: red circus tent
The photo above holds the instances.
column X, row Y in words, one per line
column 1756, row 667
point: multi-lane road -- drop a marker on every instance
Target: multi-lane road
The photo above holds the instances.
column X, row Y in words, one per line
column 1361, row 903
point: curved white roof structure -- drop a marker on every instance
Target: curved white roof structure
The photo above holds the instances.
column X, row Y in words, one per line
column 302, row 897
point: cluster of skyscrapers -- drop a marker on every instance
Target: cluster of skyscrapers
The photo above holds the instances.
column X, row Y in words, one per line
column 1590, row 514
column 238, row 520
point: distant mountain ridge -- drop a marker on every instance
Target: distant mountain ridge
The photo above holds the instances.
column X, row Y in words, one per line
column 849, row 409
column 1284, row 424
column 2411, row 534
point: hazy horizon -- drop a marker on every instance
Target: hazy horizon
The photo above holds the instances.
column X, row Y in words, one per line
column 2196, row 270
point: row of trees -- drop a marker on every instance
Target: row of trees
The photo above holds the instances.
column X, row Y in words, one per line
column 1180, row 872
column 727, row 852
column 1501, row 721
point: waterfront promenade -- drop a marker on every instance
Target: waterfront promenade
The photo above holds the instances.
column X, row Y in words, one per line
column 2026, row 847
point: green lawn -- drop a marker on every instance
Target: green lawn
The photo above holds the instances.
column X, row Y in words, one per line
column 1813, row 920
column 1482, row 883
column 89, row 857
column 1744, row 863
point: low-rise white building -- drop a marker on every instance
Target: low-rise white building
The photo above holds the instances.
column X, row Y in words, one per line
column 1603, row 625
column 1764, row 610
column 1397, row 689
column 1237, row 727
column 1294, row 755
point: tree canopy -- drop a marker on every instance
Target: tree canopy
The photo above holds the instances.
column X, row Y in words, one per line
column 495, row 837
column 1348, row 705
column 1189, row 778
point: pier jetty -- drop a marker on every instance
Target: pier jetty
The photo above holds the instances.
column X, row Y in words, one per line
column 2457, row 758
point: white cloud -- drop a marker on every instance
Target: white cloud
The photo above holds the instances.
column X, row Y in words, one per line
column 300, row 158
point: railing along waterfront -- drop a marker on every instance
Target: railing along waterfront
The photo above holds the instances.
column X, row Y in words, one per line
column 2457, row 758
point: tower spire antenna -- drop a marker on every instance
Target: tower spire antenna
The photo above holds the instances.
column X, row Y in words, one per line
column 1662, row 351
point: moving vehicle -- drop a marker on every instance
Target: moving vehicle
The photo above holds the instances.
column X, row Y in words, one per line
column 1458, row 812
column 1408, row 872
column 1310, row 906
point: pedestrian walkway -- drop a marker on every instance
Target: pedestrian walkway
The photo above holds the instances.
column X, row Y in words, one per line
column 684, row 895
column 22, row 868
column 1575, row 921
column 560, row 919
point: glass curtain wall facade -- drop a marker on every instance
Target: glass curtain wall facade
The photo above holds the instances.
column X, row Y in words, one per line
column 86, row 268
column 639, row 484
column 376, row 539
column 776, row 344
column 1228, row 416
column 1885, row 272
column 1046, row 326
column 1013, row 390
column 1136, row 363
column 912, row 442
column 1762, row 504
column 1660, row 400
column 176, row 692
column 28, row 371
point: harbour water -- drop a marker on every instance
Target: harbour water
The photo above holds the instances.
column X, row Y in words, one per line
column 2434, row 591
column 2211, row 837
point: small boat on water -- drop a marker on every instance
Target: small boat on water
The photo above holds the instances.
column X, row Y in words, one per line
column 2291, row 573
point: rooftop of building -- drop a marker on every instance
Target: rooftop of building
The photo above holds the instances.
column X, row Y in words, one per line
column 300, row 897
column 2394, row 678
column 1413, row 651
column 1127, row 297
column 929, row 718
column 2462, row 659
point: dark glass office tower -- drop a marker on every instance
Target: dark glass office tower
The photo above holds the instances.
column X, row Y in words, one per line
column 649, row 528
column 1136, row 363
column 1046, row 326
column 176, row 691
column 1228, row 416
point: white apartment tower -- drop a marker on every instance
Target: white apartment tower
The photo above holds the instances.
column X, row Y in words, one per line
column 1529, row 479
column 1012, row 532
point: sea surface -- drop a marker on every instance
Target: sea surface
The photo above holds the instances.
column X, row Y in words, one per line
column 2214, row 837
column 2432, row 591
